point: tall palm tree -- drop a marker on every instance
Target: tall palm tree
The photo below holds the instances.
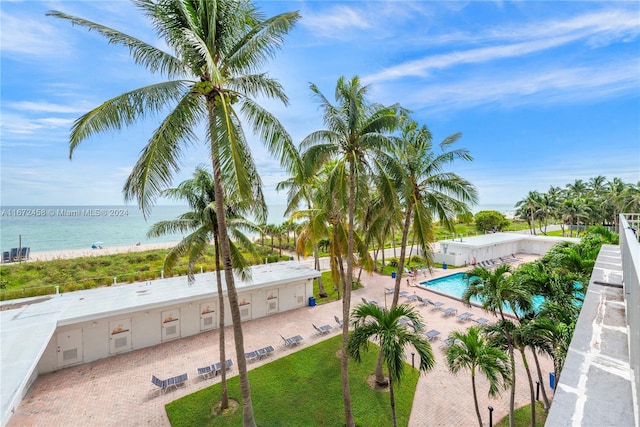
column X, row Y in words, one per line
column 496, row 290
column 201, row 224
column 355, row 130
column 469, row 350
column 372, row 322
column 429, row 191
column 217, row 48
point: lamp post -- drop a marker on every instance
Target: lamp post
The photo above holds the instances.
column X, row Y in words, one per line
column 537, row 390
column 490, row 416
column 413, row 355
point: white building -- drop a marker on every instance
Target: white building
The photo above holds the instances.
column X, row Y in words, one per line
column 46, row 334
column 471, row 250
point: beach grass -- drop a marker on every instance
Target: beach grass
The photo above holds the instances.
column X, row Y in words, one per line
column 37, row 278
column 303, row 389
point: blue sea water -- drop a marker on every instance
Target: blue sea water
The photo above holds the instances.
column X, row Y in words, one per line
column 52, row 228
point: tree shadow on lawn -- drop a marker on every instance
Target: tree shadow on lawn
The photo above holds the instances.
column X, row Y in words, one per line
column 303, row 388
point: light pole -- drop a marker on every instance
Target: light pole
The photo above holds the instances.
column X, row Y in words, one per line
column 490, row 416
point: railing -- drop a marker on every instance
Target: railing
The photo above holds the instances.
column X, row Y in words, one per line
column 630, row 252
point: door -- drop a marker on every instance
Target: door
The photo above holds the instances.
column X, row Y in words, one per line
column 272, row 301
column 120, row 335
column 300, row 295
column 69, row 347
column 245, row 307
column 170, row 324
column 207, row 315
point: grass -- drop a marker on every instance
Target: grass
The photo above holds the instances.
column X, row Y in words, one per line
column 41, row 277
column 522, row 417
column 303, row 389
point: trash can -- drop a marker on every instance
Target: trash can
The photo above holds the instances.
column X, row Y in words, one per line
column 312, row 301
column 552, row 380
column 444, row 265
column 393, row 274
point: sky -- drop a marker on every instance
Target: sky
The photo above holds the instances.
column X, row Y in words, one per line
column 543, row 92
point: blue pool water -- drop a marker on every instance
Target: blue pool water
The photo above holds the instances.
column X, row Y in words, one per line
column 455, row 285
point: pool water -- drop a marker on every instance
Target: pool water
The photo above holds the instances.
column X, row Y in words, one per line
column 455, row 285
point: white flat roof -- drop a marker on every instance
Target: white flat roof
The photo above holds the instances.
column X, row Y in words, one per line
column 498, row 238
column 39, row 320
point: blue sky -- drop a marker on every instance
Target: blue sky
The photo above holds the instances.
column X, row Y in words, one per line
column 543, row 92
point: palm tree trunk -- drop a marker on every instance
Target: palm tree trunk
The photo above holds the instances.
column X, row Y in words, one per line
column 393, row 403
column 512, row 398
column 475, row 397
column 248, row 419
column 381, row 381
column 532, row 394
column 545, row 399
column 403, row 250
column 346, row 302
column 224, row 399
column 316, row 262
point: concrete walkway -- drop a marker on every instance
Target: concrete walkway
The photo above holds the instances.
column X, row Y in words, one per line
column 115, row 391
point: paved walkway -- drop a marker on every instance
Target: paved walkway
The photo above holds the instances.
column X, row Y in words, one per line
column 115, row 391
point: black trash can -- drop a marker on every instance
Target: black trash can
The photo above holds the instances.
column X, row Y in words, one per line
column 312, row 301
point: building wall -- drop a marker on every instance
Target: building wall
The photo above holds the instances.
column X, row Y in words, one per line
column 98, row 338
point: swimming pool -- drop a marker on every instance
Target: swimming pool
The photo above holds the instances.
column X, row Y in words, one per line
column 455, row 285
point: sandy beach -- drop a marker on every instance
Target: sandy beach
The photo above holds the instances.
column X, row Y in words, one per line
column 111, row 250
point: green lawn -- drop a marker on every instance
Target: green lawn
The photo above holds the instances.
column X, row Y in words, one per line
column 522, row 417
column 303, row 389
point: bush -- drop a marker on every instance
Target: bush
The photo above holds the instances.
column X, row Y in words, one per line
column 490, row 220
column 392, row 262
column 417, row 259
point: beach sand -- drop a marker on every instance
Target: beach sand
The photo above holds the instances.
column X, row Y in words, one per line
column 111, row 250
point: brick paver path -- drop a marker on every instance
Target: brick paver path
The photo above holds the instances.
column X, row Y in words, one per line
column 115, row 391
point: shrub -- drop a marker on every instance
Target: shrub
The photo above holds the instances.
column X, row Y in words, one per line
column 392, row 262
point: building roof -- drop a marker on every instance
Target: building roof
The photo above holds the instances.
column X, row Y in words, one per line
column 498, row 238
column 38, row 318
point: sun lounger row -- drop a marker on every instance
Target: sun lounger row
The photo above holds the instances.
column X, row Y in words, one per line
column 213, row 370
column 163, row 386
column 16, row 254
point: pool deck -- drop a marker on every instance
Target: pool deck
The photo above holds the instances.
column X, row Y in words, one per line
column 115, row 391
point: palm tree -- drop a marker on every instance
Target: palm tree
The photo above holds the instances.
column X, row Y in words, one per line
column 469, row 350
column 372, row 322
column 528, row 208
column 355, row 129
column 201, row 223
column 212, row 80
column 496, row 290
column 427, row 189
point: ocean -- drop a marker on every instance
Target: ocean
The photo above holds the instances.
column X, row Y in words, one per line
column 54, row 228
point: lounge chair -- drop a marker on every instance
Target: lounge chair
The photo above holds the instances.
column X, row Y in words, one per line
column 291, row 341
column 446, row 343
column 422, row 301
column 324, row 329
column 24, row 253
column 265, row 351
column 14, row 254
column 388, row 291
column 412, row 297
column 465, row 316
column 436, row 305
column 482, row 321
column 338, row 321
column 403, row 293
column 206, row 372
column 252, row 355
column 450, row 311
column 163, row 386
column 217, row 367
column 432, row 334
column 6, row 257
column 369, row 302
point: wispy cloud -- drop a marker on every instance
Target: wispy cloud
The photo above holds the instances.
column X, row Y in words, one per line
column 595, row 29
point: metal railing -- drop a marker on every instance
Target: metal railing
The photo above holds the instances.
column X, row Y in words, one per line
column 630, row 252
